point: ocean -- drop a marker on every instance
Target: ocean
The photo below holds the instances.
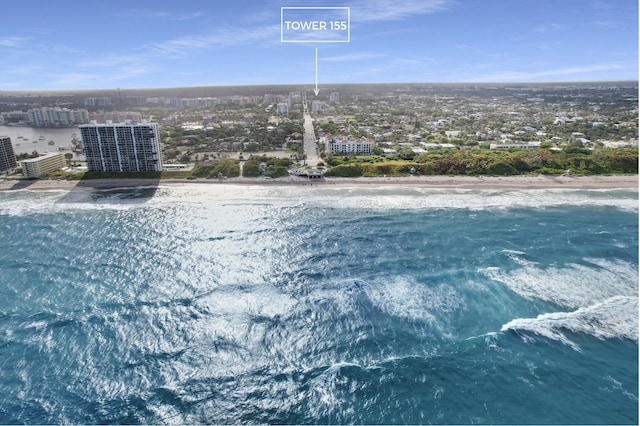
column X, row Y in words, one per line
column 318, row 304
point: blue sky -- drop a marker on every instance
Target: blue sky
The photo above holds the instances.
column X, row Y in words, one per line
column 139, row 44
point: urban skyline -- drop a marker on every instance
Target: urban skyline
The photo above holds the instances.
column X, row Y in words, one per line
column 168, row 44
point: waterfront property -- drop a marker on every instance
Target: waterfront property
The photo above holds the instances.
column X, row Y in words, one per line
column 43, row 165
column 7, row 156
column 123, row 147
column 348, row 145
column 50, row 116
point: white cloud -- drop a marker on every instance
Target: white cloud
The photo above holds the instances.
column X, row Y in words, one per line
column 221, row 38
column 25, row 69
column 13, row 41
column 351, row 57
column 549, row 28
column 389, row 10
column 158, row 14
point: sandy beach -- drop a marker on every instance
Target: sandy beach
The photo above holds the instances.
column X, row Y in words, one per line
column 462, row 182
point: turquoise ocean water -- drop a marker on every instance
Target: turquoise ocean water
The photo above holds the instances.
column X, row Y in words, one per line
column 266, row 304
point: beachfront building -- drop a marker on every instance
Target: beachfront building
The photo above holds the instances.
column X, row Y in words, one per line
column 43, row 165
column 122, row 147
column 7, row 156
column 348, row 145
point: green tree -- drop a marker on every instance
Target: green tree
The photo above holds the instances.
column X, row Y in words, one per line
column 279, row 171
column 345, row 170
column 252, row 147
column 406, row 153
column 251, row 168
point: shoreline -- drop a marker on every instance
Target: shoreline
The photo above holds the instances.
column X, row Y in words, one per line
column 444, row 182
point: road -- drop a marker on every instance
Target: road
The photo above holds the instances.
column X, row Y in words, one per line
column 310, row 143
column 309, row 138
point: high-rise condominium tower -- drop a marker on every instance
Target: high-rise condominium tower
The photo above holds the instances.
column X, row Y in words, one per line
column 7, row 156
column 123, row 147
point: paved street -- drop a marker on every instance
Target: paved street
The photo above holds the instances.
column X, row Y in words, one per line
column 310, row 143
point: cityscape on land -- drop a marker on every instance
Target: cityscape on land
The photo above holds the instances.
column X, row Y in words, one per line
column 266, row 132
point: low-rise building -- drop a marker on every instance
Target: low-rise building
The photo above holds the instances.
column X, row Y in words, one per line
column 528, row 145
column 429, row 145
column 349, row 145
column 621, row 144
column 43, row 165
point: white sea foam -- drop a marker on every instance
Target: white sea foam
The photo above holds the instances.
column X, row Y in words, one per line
column 402, row 297
column 406, row 298
column 426, row 198
column 616, row 317
column 572, row 286
column 258, row 300
column 518, row 257
column 387, row 197
column 375, row 198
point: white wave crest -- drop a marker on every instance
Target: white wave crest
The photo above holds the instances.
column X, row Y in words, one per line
column 573, row 286
column 392, row 197
column 614, row 318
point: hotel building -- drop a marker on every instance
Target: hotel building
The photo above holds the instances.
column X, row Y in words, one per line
column 123, row 147
column 7, row 156
column 43, row 165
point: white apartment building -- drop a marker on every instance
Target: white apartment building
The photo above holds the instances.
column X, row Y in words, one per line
column 526, row 145
column 283, row 108
column 349, row 145
column 48, row 116
column 317, row 106
column 43, row 165
column 123, row 147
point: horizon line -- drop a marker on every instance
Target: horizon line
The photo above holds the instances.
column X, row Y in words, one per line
column 482, row 83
